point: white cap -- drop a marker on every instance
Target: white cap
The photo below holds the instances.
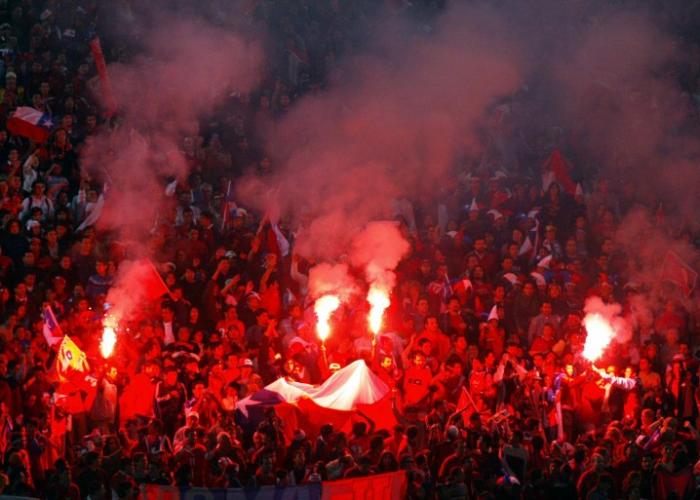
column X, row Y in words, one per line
column 539, row 279
column 494, row 313
column 496, row 214
column 545, row 262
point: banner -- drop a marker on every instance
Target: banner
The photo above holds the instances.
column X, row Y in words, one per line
column 376, row 487
column 306, row 492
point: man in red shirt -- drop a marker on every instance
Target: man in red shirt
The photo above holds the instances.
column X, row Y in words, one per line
column 416, row 380
column 440, row 341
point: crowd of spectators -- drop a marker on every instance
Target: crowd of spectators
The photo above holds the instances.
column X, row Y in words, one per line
column 489, row 299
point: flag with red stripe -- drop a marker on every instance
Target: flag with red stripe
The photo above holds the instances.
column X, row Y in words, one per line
column 675, row 270
column 30, row 123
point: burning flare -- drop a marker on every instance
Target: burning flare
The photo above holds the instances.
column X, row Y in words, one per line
column 324, row 307
column 599, row 334
column 109, row 337
column 379, row 301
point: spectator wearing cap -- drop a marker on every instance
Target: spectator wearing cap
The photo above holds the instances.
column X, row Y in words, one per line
column 246, row 367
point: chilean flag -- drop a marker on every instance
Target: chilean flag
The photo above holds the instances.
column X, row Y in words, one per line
column 30, row 123
column 557, row 169
column 51, row 330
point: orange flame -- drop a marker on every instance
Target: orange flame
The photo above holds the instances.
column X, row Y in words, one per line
column 599, row 334
column 379, row 301
column 109, row 337
column 324, row 307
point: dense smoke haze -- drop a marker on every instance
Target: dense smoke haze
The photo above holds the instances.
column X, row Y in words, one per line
column 416, row 102
column 406, row 110
column 157, row 111
column 412, row 106
column 159, row 104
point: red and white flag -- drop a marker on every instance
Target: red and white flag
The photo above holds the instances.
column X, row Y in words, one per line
column 51, row 330
column 557, row 169
column 109, row 102
column 149, row 278
column 30, row 123
column 678, row 272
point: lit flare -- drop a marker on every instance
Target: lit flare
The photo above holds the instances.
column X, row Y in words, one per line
column 324, row 307
column 109, row 337
column 599, row 334
column 378, row 300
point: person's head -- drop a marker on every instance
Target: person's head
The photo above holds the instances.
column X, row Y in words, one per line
column 167, row 313
column 477, row 365
column 431, row 324
column 101, row 268
column 546, row 308
column 418, row 359
column 460, row 344
column 262, row 317
column 183, row 334
column 198, row 389
column 267, row 461
column 38, row 188
column 672, row 336
column 232, row 360
column 246, row 367
column 667, row 452
column 423, row 306
column 426, row 347
column 651, row 351
column 171, row 375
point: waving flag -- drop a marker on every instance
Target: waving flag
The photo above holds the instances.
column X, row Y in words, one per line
column 109, row 102
column 229, row 204
column 70, row 359
column 678, row 272
column 556, row 169
column 336, row 401
column 150, row 279
column 30, row 123
column 52, row 330
column 96, row 211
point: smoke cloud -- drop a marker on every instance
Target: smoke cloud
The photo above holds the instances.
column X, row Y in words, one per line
column 405, row 110
column 135, row 286
column 184, row 68
column 612, row 314
column 161, row 93
column 377, row 249
column 333, row 279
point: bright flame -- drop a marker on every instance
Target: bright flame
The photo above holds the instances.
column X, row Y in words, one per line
column 109, row 337
column 324, row 307
column 379, row 301
column 599, row 334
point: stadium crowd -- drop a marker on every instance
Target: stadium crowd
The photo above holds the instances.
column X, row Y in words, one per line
column 490, row 299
